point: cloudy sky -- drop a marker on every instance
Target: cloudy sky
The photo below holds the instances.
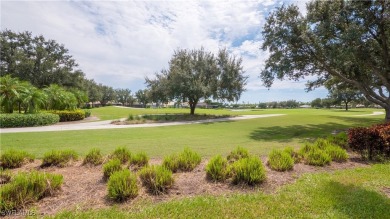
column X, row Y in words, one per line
column 119, row 43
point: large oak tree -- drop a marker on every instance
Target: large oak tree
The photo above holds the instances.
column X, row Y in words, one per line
column 348, row 41
column 198, row 74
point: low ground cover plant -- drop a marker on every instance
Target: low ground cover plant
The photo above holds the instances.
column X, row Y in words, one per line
column 121, row 153
column 158, row 179
column 15, row 158
column 185, row 161
column 280, row 160
column 27, row 120
column 26, row 188
column 94, row 157
column 248, row 171
column 141, row 159
column 322, row 152
column 110, row 167
column 237, row 154
column 5, row 176
column 58, row 158
column 218, row 169
column 122, row 185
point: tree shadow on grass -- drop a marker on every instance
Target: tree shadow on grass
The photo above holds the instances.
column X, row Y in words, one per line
column 308, row 131
column 357, row 202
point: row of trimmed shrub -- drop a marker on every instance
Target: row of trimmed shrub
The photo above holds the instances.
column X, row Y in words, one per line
column 27, row 120
column 372, row 143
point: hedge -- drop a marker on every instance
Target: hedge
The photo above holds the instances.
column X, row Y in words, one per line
column 27, row 120
column 68, row 115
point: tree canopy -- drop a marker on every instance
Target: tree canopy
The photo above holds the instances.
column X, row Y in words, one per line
column 197, row 74
column 348, row 41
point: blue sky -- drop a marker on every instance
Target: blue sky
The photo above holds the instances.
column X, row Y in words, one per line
column 119, row 43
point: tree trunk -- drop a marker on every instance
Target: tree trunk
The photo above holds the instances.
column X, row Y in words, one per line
column 387, row 118
column 346, row 106
column 192, row 106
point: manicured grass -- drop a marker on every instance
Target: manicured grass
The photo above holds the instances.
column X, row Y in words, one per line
column 355, row 193
column 259, row 136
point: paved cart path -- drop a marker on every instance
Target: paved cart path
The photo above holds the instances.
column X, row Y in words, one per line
column 107, row 124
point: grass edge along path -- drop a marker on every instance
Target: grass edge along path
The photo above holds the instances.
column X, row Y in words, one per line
column 354, row 193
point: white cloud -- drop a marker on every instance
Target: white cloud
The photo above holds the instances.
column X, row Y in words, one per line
column 118, row 43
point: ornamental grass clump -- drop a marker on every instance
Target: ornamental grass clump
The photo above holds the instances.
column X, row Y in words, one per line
column 110, row 167
column 295, row 155
column 26, row 188
column 248, row 171
column 121, row 153
column 337, row 153
column 218, row 169
column 237, row 154
column 94, row 157
column 185, row 161
column 157, row 179
column 58, row 158
column 122, row 185
column 14, row 158
column 280, row 161
column 317, row 157
column 140, row 160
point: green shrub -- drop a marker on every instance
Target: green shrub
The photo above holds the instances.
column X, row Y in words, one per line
column 249, row 171
column 295, row 155
column 217, row 168
column 237, row 154
column 121, row 153
column 58, row 158
column 87, row 113
column 317, row 157
column 93, row 157
column 280, row 161
column 13, row 158
column 341, row 140
column 140, row 159
column 337, row 154
column 27, row 120
column 122, row 185
column 26, row 188
column 69, row 115
column 185, row 161
column 158, row 179
column 5, row 176
column 307, row 147
column 110, row 167
column 322, row 143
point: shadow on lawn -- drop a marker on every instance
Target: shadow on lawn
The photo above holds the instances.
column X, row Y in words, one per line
column 308, row 131
column 357, row 202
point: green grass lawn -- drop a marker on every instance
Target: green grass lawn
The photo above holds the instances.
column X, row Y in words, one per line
column 259, row 136
column 356, row 193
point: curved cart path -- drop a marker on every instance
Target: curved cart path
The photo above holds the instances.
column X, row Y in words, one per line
column 108, row 125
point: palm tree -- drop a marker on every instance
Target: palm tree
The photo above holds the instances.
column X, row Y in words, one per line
column 34, row 99
column 10, row 91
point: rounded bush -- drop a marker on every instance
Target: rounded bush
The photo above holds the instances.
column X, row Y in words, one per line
column 237, row 154
column 110, row 167
column 280, row 161
column 94, row 157
column 295, row 155
column 122, row 185
column 14, row 159
column 185, row 161
column 217, row 168
column 58, row 158
column 121, row 153
column 27, row 120
column 69, row 115
column 337, row 154
column 249, row 171
column 171, row 162
column 158, row 179
column 317, row 158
